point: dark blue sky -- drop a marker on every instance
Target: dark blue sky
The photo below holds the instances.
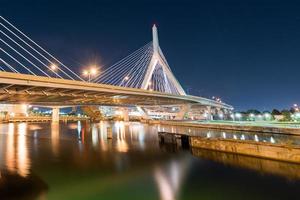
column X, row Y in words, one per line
column 246, row 52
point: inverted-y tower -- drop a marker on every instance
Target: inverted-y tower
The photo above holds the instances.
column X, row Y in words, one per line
column 158, row 60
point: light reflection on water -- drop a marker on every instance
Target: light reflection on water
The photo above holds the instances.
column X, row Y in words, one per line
column 65, row 157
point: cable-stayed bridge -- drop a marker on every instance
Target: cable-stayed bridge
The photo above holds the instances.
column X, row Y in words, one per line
column 30, row 74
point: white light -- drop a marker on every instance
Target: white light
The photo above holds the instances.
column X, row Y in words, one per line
column 243, row 137
column 224, row 135
column 272, row 140
column 53, row 67
column 256, row 138
column 238, row 115
column 259, row 116
column 93, row 71
column 252, row 115
column 234, row 137
column 208, row 135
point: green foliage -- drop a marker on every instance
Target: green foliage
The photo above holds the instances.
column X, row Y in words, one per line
column 276, row 112
column 286, row 115
column 253, row 111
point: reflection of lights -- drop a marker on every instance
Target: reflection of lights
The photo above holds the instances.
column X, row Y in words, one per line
column 22, row 154
column 208, row 134
column 256, row 138
column 55, row 138
column 243, row 137
column 121, row 143
column 79, row 129
column 73, row 126
column 272, row 140
column 94, row 135
column 169, row 180
column 103, row 136
column 34, row 127
column 10, row 152
column 224, row 135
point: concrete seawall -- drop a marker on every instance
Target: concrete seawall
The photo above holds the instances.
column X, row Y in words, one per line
column 263, row 150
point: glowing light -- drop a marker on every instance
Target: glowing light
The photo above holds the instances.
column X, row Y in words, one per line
column 53, row 67
column 243, row 137
column 208, row 135
column 256, row 138
column 93, row 71
column 85, row 72
column 238, row 115
column 224, row 135
column 272, row 140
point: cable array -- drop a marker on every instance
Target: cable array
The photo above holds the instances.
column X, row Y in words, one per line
column 129, row 71
column 20, row 54
column 145, row 68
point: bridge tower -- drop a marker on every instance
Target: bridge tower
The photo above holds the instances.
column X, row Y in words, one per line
column 158, row 60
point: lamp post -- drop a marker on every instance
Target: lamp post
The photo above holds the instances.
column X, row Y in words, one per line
column 89, row 73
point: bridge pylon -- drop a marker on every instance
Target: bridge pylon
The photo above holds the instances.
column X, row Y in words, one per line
column 158, row 61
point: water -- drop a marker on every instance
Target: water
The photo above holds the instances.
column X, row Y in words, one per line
column 77, row 161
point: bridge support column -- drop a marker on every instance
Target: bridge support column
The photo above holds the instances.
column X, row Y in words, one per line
column 55, row 114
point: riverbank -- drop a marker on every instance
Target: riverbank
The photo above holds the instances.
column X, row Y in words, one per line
column 263, row 127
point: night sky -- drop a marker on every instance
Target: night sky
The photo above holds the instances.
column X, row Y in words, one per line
column 246, row 52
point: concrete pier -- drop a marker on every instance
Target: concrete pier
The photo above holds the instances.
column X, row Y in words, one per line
column 263, row 150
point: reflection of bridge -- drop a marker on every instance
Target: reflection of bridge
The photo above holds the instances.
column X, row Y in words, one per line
column 142, row 79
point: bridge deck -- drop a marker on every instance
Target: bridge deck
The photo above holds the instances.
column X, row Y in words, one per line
column 38, row 90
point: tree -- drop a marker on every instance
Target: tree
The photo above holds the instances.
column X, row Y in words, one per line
column 286, row 115
column 275, row 112
column 253, row 111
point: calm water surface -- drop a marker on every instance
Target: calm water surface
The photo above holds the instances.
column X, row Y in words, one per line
column 77, row 161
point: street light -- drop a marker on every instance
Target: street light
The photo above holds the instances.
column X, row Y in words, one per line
column 90, row 72
column 238, row 116
column 53, row 67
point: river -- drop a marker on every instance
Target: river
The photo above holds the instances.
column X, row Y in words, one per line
column 76, row 160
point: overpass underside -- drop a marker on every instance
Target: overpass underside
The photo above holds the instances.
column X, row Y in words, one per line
column 43, row 91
